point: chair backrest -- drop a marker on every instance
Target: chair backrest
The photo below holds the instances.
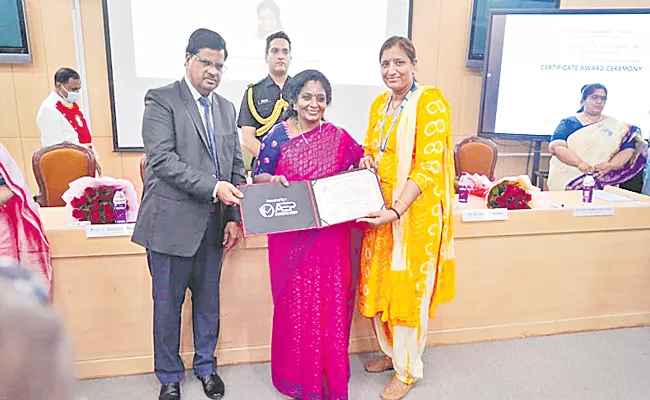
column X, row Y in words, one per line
column 143, row 165
column 56, row 166
column 476, row 155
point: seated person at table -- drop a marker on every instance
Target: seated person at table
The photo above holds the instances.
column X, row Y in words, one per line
column 22, row 236
column 592, row 143
column 311, row 271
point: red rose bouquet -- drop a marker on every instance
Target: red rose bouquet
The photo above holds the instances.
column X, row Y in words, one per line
column 511, row 193
column 95, row 205
column 91, row 199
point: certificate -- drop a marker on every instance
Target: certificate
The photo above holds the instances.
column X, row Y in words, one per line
column 272, row 207
column 347, row 196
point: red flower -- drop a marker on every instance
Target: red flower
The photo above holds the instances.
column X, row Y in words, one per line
column 94, row 211
column 76, row 202
column 90, row 191
column 83, row 200
column 109, row 216
column 509, row 195
column 80, row 215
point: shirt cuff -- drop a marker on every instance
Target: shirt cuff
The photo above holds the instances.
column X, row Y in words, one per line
column 214, row 193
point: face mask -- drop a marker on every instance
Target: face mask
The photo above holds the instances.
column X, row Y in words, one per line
column 71, row 96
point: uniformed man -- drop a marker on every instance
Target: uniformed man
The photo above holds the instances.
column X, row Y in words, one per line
column 264, row 102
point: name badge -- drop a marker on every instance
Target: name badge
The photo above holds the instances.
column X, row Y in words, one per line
column 263, row 101
column 99, row 231
column 491, row 214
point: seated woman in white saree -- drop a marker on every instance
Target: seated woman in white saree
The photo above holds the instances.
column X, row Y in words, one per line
column 612, row 151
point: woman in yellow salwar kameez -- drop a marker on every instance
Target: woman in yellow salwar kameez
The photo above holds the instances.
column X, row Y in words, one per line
column 407, row 260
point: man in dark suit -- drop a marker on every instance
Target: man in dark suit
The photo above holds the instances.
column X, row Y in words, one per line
column 189, row 214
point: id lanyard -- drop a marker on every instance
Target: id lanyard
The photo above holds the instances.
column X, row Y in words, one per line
column 383, row 143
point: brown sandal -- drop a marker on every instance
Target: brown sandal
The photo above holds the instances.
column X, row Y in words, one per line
column 395, row 390
column 379, row 364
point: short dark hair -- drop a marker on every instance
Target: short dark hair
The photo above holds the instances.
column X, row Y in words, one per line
column 404, row 43
column 588, row 90
column 204, row 38
column 276, row 35
column 299, row 81
column 63, row 75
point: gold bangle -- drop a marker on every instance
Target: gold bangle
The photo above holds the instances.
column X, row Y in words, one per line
column 401, row 202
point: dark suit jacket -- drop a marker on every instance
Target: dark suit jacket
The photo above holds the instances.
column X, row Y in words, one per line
column 180, row 175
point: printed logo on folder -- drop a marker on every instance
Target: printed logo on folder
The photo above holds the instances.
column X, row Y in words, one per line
column 278, row 208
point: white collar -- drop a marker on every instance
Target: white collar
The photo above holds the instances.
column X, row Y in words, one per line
column 57, row 97
column 195, row 93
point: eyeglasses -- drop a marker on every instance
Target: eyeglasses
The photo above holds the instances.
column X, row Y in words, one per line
column 596, row 97
column 207, row 64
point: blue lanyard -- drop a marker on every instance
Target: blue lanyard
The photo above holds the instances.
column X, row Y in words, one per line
column 384, row 142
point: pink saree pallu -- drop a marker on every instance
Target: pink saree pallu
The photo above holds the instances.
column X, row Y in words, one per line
column 22, row 236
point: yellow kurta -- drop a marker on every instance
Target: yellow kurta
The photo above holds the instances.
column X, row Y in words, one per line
column 397, row 293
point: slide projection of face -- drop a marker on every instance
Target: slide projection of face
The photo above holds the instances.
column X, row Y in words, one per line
column 341, row 38
column 548, row 58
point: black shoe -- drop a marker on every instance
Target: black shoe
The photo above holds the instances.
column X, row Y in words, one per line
column 170, row 391
column 213, row 386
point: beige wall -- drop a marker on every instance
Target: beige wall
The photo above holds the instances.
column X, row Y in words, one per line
column 440, row 30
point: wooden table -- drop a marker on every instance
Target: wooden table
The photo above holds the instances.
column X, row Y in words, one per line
column 543, row 271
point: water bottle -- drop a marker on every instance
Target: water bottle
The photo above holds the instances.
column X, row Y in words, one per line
column 119, row 206
column 588, row 189
column 463, row 190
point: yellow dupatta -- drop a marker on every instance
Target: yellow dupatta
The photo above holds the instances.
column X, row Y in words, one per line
column 444, row 258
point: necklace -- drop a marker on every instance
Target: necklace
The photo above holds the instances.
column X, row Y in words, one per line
column 600, row 118
column 393, row 106
column 301, row 133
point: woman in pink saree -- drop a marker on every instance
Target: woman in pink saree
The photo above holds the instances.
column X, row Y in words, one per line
column 22, row 236
column 312, row 271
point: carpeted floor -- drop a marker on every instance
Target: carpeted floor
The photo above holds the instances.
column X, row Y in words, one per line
column 604, row 365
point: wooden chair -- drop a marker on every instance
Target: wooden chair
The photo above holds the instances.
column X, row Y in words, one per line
column 476, row 155
column 143, row 165
column 56, row 166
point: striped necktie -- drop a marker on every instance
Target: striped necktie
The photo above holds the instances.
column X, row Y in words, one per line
column 210, row 132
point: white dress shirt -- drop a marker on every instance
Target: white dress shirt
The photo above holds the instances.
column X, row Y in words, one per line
column 54, row 127
column 196, row 95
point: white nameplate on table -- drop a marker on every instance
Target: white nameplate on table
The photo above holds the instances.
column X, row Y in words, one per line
column 109, row 230
column 490, row 214
column 593, row 211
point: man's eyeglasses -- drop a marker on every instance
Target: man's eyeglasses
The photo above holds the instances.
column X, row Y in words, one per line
column 207, row 64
